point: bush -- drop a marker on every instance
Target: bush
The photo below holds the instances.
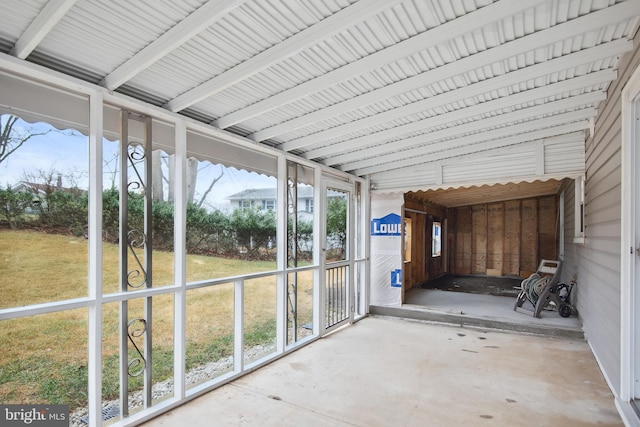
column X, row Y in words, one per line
column 13, row 205
column 250, row 232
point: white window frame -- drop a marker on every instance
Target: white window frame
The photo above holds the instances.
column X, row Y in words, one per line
column 578, row 224
column 269, row 204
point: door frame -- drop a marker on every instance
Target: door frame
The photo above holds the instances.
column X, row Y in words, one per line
column 349, row 188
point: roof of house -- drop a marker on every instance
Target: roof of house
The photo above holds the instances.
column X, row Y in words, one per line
column 267, row 194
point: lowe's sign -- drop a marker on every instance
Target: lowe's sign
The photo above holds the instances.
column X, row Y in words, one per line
column 388, row 225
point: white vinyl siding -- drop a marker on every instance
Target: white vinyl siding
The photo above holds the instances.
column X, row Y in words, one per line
column 598, row 260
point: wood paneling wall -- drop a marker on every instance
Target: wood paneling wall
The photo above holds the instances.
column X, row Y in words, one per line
column 422, row 266
column 503, row 239
column 494, row 239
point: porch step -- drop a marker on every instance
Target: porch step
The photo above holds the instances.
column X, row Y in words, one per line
column 527, row 326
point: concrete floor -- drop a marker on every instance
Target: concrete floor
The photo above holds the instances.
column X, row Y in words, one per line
column 385, row 371
column 487, row 311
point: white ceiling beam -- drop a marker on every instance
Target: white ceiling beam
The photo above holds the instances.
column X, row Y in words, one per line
column 499, row 82
column 475, row 148
column 542, row 38
column 488, row 107
column 452, row 148
column 564, row 138
column 456, row 147
column 391, row 178
column 52, row 12
column 347, row 17
column 422, row 41
column 580, row 101
column 182, row 32
column 503, row 152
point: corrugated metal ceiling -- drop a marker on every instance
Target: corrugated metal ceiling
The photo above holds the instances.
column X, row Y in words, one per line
column 406, row 91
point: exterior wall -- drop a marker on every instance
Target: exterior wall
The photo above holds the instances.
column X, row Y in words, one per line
column 598, row 259
column 570, row 261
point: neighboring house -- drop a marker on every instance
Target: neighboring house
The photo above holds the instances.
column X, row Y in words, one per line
column 265, row 198
column 40, row 191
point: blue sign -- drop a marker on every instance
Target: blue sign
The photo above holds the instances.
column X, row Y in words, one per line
column 396, row 278
column 388, row 225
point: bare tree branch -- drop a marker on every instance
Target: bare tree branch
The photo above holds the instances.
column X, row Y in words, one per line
column 213, row 182
column 10, row 141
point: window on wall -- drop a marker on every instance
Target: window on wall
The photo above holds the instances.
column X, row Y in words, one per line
column 436, row 239
column 579, row 210
column 269, row 204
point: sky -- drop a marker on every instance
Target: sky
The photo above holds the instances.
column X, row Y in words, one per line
column 66, row 153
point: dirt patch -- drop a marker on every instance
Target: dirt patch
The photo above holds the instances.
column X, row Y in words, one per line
column 501, row 286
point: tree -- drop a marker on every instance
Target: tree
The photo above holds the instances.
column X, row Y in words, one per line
column 337, row 226
column 11, row 138
column 163, row 167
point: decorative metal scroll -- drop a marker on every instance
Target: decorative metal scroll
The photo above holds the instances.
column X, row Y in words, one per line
column 138, row 364
column 136, row 189
column 292, row 249
column 137, row 276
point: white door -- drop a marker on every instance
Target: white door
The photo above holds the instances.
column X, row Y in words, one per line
column 337, row 257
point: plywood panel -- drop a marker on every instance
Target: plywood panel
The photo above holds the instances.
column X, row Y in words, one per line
column 495, row 239
column 414, row 266
column 479, row 239
column 547, row 226
column 511, row 256
column 463, row 241
column 529, row 237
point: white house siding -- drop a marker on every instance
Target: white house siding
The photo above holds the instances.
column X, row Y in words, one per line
column 570, row 261
column 598, row 260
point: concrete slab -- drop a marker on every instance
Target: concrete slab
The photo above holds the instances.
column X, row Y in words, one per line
column 488, row 311
column 386, row 371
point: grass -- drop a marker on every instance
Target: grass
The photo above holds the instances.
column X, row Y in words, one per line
column 44, row 357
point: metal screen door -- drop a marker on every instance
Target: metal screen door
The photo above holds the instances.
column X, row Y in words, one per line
column 336, row 254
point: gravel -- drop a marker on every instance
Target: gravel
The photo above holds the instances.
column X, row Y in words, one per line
column 196, row 375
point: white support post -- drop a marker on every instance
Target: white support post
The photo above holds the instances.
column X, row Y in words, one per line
column 281, row 238
column 180, row 260
column 318, row 255
column 238, row 326
column 95, row 260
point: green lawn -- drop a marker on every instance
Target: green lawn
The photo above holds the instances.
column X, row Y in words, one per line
column 44, row 357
